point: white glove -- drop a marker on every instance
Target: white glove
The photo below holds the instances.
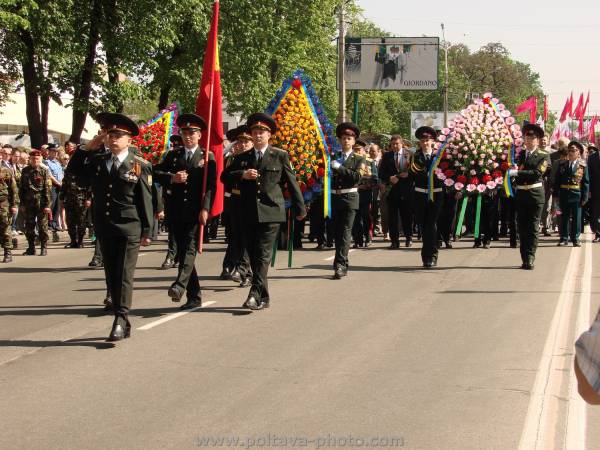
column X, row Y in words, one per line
column 513, row 172
column 335, row 165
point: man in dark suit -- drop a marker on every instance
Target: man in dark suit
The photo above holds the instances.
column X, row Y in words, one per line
column 394, row 173
column 122, row 208
column 531, row 166
column 427, row 211
column 347, row 170
column 593, row 164
column 261, row 174
column 182, row 172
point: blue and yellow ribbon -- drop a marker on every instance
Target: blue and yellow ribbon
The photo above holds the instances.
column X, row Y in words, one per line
column 434, row 166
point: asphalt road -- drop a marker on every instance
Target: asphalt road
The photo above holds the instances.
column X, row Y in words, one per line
column 474, row 354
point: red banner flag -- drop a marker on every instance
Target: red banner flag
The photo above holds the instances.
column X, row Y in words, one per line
column 578, row 113
column 587, row 101
column 210, row 107
column 529, row 105
column 568, row 109
column 545, row 116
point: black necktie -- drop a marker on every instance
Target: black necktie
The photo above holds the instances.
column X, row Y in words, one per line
column 259, row 157
column 114, row 169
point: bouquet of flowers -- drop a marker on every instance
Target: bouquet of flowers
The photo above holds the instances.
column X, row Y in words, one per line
column 304, row 132
column 478, row 148
column 153, row 139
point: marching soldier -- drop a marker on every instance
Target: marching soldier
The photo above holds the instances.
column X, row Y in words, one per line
column 171, row 259
column 9, row 204
column 236, row 264
column 427, row 211
column 571, row 186
column 399, row 185
column 529, row 196
column 261, row 172
column 182, row 172
column 76, row 200
column 347, row 170
column 122, row 208
column 36, row 200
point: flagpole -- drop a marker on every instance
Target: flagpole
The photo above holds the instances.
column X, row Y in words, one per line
column 207, row 152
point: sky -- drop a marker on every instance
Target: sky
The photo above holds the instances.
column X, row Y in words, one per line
column 559, row 39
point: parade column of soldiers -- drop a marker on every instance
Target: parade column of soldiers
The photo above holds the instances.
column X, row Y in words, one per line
column 9, row 203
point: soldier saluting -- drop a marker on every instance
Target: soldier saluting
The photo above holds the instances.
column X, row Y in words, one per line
column 122, row 208
column 571, row 186
column 182, row 173
column 529, row 197
column 347, row 170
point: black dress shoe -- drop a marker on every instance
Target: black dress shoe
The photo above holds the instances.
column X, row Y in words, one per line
column 434, row 262
column 408, row 243
column 320, row 246
column 236, row 276
column 225, row 274
column 476, row 244
column 254, row 304
column 119, row 332
column 339, row 273
column 394, row 246
column 529, row 266
column 192, row 303
column 561, row 242
column 427, row 264
column 95, row 263
column 576, row 244
column 486, row 245
column 368, row 244
column 513, row 245
column 175, row 293
column 245, row 282
column 72, row 245
column 596, row 239
column 448, row 244
column 167, row 264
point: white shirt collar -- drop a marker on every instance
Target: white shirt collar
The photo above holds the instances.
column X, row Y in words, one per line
column 120, row 157
column 262, row 150
column 191, row 150
column 346, row 154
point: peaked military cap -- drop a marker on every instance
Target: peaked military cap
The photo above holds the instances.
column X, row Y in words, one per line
column 577, row 144
column 347, row 128
column 191, row 121
column 262, row 121
column 537, row 130
column 119, row 122
column 423, row 132
column 241, row 132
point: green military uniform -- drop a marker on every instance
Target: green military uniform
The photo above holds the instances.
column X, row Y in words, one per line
column 529, row 200
column 427, row 212
column 35, row 195
column 263, row 205
column 9, row 198
column 74, row 196
column 571, row 185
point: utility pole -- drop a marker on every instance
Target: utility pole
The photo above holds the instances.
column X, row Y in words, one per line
column 342, row 64
column 446, row 77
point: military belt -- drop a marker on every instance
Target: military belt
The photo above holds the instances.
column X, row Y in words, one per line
column 344, row 191
column 527, row 187
column 426, row 191
column 570, row 186
column 227, row 194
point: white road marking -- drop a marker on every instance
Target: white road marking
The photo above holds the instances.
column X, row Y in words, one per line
column 331, row 258
column 540, row 423
column 577, row 411
column 173, row 316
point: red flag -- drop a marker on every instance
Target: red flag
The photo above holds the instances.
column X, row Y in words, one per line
column 592, row 136
column 587, row 101
column 578, row 113
column 545, row 109
column 529, row 105
column 210, row 107
column 568, row 109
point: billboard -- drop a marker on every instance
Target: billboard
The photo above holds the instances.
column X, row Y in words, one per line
column 434, row 119
column 392, row 63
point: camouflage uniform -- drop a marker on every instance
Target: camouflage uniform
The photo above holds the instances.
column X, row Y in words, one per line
column 35, row 196
column 74, row 196
column 9, row 198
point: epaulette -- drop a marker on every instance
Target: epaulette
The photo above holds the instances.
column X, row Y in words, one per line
column 141, row 160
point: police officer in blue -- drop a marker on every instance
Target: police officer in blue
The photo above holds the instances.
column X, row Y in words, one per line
column 571, row 186
column 122, row 208
column 182, row 172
